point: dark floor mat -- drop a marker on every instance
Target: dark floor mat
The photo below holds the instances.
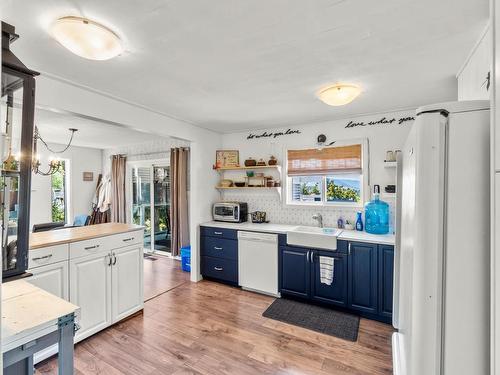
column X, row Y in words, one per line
column 316, row 318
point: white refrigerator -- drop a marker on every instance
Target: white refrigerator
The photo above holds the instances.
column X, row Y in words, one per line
column 442, row 263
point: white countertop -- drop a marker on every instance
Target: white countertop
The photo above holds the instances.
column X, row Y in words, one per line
column 29, row 312
column 348, row 235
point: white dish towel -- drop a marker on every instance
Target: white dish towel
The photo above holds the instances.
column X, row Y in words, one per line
column 326, row 266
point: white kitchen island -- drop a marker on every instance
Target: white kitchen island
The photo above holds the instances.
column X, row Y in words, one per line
column 98, row 268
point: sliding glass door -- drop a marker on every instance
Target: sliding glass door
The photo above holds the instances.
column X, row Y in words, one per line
column 150, row 203
column 161, row 200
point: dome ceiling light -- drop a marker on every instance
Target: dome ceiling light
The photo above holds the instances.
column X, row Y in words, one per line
column 86, row 38
column 339, row 94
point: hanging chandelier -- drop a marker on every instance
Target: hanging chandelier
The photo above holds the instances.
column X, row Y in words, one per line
column 55, row 164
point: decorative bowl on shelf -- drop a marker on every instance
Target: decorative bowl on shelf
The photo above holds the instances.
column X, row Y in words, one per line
column 272, row 161
column 261, row 163
column 250, row 162
column 250, row 173
column 226, row 183
column 239, row 183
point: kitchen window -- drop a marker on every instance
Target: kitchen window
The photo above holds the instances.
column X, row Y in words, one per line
column 59, row 196
column 326, row 176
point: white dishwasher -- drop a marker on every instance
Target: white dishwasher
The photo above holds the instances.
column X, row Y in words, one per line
column 258, row 262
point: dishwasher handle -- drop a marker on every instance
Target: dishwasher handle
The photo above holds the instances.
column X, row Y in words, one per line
column 258, row 237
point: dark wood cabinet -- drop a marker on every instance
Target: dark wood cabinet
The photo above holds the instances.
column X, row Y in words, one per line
column 386, row 280
column 336, row 292
column 296, row 271
column 363, row 277
column 219, row 254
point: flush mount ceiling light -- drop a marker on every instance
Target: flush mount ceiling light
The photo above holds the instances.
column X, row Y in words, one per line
column 86, row 38
column 339, row 94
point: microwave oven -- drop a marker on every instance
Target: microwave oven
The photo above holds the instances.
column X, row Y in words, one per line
column 235, row 212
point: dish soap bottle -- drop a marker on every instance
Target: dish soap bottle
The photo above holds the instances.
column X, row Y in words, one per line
column 377, row 214
column 359, row 223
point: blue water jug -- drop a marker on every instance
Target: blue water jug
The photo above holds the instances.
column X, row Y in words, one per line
column 377, row 214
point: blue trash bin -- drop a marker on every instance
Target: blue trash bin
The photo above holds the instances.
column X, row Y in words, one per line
column 186, row 258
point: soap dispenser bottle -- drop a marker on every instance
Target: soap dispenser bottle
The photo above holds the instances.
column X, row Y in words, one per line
column 377, row 214
column 359, row 222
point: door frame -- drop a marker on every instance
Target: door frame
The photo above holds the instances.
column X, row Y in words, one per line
column 150, row 164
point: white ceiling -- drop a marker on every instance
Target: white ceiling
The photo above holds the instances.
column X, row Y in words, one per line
column 230, row 65
column 54, row 128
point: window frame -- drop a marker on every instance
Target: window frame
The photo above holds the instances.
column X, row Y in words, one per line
column 364, row 179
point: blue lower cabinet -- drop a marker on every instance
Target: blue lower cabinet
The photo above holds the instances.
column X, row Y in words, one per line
column 219, row 254
column 323, row 288
column 220, row 269
column 219, row 248
column 386, row 280
column 295, row 272
column 363, row 277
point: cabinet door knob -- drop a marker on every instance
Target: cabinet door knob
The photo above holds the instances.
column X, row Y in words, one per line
column 217, row 248
column 110, row 260
column 218, row 268
column 218, row 233
column 349, row 251
column 114, row 259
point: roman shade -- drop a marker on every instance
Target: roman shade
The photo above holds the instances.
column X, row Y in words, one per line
column 328, row 160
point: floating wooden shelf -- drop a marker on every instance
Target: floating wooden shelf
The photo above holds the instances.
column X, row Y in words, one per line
column 277, row 167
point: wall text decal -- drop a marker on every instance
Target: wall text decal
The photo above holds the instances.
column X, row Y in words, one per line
column 382, row 121
column 273, row 134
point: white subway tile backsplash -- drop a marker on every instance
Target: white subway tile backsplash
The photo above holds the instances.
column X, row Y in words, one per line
column 279, row 213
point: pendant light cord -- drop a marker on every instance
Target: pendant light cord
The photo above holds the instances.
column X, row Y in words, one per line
column 38, row 136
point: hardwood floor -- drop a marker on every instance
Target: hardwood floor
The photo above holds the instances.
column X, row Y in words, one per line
column 209, row 328
column 161, row 275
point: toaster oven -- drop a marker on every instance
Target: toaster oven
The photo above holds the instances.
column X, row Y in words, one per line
column 235, row 212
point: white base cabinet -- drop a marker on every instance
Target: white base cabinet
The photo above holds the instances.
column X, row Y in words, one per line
column 103, row 276
column 90, row 288
column 52, row 278
column 127, row 282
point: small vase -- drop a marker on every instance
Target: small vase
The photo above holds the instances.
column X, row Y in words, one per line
column 359, row 223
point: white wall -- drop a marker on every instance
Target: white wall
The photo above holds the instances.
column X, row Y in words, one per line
column 159, row 149
column 60, row 94
column 380, row 137
column 81, row 159
column 471, row 78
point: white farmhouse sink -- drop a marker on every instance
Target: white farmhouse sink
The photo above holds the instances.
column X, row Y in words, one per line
column 321, row 238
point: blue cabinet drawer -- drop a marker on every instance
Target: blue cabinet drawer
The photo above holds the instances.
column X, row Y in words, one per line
column 219, row 248
column 230, row 234
column 221, row 269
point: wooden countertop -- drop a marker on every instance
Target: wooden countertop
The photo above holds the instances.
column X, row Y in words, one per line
column 62, row 236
